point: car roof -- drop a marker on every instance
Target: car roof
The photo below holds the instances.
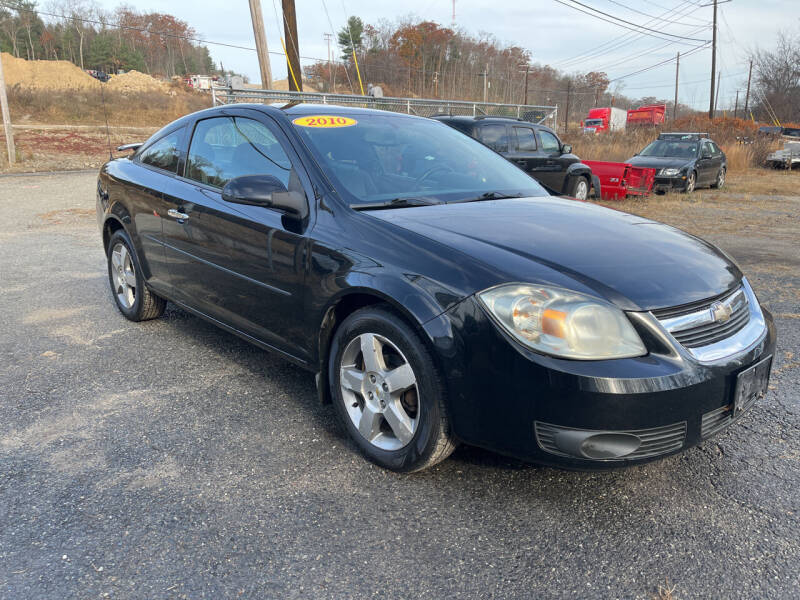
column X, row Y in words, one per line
column 465, row 119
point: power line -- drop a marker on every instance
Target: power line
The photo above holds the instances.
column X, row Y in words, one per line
column 622, row 22
column 654, row 17
column 626, row 38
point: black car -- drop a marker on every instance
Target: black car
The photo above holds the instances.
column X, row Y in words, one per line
column 439, row 294
column 683, row 162
column 534, row 148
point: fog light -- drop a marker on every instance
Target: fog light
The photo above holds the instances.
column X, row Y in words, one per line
column 586, row 444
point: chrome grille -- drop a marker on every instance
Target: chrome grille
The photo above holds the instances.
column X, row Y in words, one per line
column 655, row 441
column 706, row 322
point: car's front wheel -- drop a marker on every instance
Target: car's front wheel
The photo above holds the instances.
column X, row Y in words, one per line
column 387, row 391
column 691, row 182
column 131, row 296
column 580, row 188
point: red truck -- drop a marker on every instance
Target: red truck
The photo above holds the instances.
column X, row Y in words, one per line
column 604, row 119
column 647, row 116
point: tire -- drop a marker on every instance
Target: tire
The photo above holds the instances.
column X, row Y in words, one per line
column 720, row 181
column 131, row 296
column 691, row 183
column 405, row 424
column 580, row 188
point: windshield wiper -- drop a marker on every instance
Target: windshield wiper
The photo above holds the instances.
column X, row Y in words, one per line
column 487, row 196
column 395, row 203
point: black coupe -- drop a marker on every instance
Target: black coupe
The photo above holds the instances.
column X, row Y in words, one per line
column 439, row 294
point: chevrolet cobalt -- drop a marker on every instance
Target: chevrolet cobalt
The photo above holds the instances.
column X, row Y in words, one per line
column 437, row 292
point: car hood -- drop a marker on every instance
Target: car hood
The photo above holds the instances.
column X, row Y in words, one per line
column 659, row 162
column 633, row 262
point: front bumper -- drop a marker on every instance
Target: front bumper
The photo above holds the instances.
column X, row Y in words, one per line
column 669, row 184
column 506, row 398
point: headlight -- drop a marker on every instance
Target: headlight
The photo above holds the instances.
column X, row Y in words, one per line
column 563, row 323
column 670, row 172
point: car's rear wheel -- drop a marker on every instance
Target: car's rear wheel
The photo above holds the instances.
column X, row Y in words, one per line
column 388, row 393
column 720, row 179
column 580, row 188
column 691, row 182
column 132, row 298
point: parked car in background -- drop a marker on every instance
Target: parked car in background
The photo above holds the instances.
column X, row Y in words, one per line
column 534, row 148
column 683, row 162
column 99, row 75
column 437, row 292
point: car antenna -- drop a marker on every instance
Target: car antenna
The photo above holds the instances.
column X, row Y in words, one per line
column 105, row 116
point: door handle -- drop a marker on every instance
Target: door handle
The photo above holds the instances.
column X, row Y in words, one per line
column 176, row 214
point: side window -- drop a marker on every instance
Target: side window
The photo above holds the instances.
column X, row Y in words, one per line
column 495, row 136
column 164, row 153
column 550, row 143
column 715, row 149
column 226, row 147
column 708, row 148
column 526, row 141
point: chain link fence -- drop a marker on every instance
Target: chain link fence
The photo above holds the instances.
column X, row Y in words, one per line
column 545, row 115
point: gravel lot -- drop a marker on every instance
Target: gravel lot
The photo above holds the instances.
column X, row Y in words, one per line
column 172, row 460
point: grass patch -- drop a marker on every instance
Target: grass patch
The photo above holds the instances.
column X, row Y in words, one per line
column 85, row 107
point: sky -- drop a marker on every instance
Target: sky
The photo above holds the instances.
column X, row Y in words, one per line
column 555, row 34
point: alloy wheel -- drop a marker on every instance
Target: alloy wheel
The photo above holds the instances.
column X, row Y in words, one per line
column 379, row 390
column 581, row 189
column 721, row 178
column 123, row 274
column 690, row 183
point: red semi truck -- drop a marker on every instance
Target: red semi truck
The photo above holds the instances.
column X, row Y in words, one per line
column 647, row 116
column 604, row 119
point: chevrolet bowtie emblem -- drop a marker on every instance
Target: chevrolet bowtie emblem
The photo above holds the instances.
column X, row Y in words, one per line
column 721, row 312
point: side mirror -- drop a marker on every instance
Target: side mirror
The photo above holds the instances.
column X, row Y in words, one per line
column 266, row 191
column 566, row 149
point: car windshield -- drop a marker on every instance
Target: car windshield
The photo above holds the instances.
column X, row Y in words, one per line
column 671, row 148
column 374, row 158
column 592, row 122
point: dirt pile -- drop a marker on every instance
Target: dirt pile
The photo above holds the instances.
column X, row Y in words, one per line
column 134, row 81
column 45, row 74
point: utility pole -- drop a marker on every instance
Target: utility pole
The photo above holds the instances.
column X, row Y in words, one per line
column 736, row 106
column 328, row 37
column 712, row 100
column 527, row 71
column 485, row 76
column 292, row 46
column 677, row 70
column 747, row 95
column 716, row 97
column 261, row 44
column 454, row 15
column 566, row 112
column 12, row 153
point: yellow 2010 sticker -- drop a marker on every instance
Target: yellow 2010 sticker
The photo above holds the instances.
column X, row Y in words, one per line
column 324, row 121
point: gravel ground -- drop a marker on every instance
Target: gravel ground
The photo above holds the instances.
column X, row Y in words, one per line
column 172, row 460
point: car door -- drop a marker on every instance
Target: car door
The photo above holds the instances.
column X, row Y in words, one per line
column 553, row 169
column 706, row 171
column 524, row 151
column 144, row 198
column 242, row 265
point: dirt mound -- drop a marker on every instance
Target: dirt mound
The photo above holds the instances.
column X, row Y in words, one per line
column 45, row 74
column 134, row 81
